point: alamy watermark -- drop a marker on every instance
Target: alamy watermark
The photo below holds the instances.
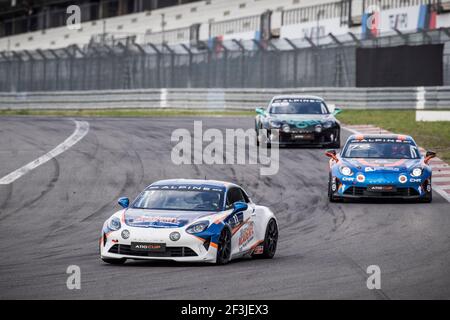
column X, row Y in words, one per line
column 235, row 146
column 74, row 279
column 374, row 280
column 73, row 21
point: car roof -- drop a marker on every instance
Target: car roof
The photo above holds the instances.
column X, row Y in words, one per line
column 381, row 136
column 297, row 96
column 194, row 182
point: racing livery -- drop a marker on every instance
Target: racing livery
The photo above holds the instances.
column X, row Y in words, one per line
column 380, row 165
column 189, row 220
column 297, row 120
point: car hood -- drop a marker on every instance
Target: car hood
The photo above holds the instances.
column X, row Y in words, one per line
column 381, row 165
column 302, row 117
column 303, row 120
column 146, row 218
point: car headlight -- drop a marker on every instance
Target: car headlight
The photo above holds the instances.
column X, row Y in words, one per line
column 417, row 172
column 114, row 224
column 346, row 171
column 197, row 227
column 286, row 128
column 274, row 124
column 328, row 124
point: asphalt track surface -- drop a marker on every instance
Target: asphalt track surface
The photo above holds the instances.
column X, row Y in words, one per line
column 51, row 217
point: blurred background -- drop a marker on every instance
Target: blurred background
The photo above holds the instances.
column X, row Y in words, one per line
column 132, row 44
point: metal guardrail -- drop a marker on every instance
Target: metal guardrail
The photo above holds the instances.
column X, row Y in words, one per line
column 352, row 98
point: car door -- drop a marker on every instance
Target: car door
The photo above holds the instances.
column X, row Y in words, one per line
column 241, row 223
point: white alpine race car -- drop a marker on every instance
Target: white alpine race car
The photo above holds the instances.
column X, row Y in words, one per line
column 189, row 220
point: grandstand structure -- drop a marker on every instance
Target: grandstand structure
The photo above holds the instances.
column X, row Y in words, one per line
column 130, row 44
column 184, row 21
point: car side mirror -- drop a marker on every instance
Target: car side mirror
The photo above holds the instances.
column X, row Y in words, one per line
column 332, row 154
column 239, row 206
column 260, row 111
column 337, row 111
column 124, row 202
column 429, row 155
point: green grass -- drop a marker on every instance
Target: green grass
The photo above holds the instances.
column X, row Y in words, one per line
column 123, row 112
column 430, row 135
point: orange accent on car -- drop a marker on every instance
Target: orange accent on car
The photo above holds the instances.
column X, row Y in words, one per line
column 257, row 244
column 214, row 245
column 201, row 239
column 236, row 229
column 397, row 163
column 364, row 162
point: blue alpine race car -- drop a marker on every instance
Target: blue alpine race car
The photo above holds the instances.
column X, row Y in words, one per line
column 380, row 166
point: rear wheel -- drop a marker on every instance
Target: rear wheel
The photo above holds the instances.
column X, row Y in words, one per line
column 224, row 247
column 270, row 241
column 114, row 261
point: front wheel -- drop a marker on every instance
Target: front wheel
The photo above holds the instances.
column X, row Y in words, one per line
column 337, row 141
column 224, row 247
column 331, row 198
column 428, row 197
column 270, row 241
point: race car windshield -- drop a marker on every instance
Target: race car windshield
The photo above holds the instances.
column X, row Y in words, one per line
column 383, row 150
column 298, row 106
column 180, row 200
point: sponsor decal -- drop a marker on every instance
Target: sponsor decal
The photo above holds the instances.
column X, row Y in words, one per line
column 186, row 187
column 386, row 188
column 142, row 219
column 415, row 180
column 369, row 169
column 157, row 247
column 402, row 179
column 246, row 235
column 350, row 179
column 380, row 140
column 258, row 250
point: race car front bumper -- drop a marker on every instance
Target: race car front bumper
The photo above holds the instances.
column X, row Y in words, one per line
column 346, row 187
column 188, row 248
column 325, row 137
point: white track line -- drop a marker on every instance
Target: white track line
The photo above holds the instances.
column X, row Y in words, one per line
column 82, row 128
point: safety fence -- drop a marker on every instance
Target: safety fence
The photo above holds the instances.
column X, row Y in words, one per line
column 278, row 63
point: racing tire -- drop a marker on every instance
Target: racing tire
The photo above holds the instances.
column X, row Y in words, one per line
column 224, row 247
column 114, row 261
column 336, row 144
column 270, row 241
column 331, row 198
column 428, row 197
